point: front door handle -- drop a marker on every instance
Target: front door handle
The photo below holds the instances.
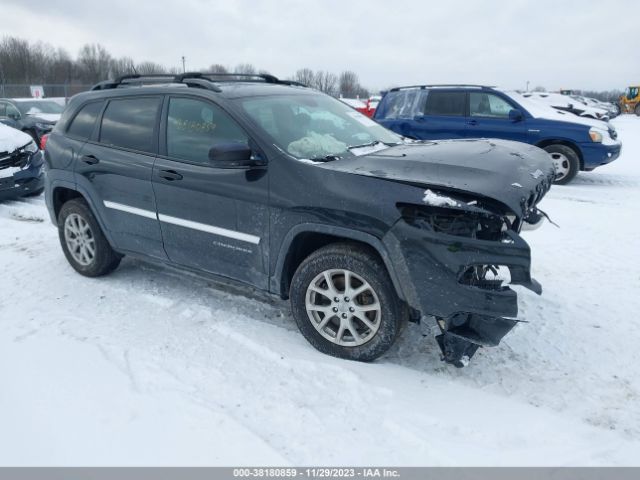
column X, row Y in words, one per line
column 89, row 159
column 472, row 122
column 170, row 175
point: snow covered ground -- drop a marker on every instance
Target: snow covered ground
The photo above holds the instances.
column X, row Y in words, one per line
column 153, row 367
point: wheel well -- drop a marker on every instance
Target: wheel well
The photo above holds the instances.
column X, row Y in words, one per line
column 303, row 245
column 572, row 146
column 62, row 195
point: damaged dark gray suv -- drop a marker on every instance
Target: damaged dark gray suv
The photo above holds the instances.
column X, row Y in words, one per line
column 276, row 186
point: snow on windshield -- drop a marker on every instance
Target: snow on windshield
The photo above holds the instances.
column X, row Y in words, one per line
column 315, row 126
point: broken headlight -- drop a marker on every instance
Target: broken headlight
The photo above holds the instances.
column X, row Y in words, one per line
column 474, row 223
column 31, row 147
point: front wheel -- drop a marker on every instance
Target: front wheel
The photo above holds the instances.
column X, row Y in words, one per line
column 82, row 240
column 637, row 109
column 565, row 161
column 344, row 303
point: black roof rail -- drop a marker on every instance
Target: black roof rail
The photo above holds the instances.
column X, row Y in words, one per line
column 441, row 85
column 206, row 80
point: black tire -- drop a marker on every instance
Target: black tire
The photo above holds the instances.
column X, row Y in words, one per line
column 365, row 264
column 105, row 259
column 572, row 160
column 637, row 110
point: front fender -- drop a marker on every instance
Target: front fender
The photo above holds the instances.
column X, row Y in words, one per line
column 389, row 259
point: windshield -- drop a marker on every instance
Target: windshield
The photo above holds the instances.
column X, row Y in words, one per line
column 317, row 127
column 38, row 106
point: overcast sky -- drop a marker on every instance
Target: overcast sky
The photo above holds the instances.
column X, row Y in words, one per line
column 556, row 44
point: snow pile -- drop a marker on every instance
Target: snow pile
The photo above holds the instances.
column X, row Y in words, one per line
column 148, row 366
column 316, row 145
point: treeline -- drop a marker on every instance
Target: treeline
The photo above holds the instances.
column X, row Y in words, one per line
column 23, row 62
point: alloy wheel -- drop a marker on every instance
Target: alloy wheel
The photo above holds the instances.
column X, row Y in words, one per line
column 79, row 239
column 343, row 307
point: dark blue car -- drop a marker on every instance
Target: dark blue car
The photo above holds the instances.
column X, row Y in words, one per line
column 21, row 165
column 432, row 112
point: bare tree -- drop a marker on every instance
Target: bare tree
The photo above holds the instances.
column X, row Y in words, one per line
column 149, row 68
column 94, row 63
column 245, row 68
column 349, row 84
column 22, row 62
column 305, row 76
column 326, row 82
column 217, row 68
column 122, row 66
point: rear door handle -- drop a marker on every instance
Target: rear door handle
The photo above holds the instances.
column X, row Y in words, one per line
column 170, row 175
column 472, row 122
column 89, row 159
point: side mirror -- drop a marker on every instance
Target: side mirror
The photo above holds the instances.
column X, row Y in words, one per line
column 515, row 115
column 231, row 155
column 14, row 116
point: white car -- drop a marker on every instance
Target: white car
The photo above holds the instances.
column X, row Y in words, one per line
column 612, row 109
column 568, row 104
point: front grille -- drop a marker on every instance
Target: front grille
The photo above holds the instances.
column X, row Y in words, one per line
column 15, row 159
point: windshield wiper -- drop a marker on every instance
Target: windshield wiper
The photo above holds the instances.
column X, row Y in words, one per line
column 370, row 144
column 326, row 158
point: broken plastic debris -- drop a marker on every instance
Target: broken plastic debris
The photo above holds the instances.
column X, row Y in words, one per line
column 537, row 173
column 516, row 184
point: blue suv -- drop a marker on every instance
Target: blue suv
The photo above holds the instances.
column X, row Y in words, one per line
column 432, row 112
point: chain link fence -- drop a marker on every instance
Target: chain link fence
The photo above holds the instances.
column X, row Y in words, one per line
column 51, row 90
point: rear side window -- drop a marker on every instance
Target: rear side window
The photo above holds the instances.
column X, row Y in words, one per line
column 84, row 122
column 405, row 103
column 445, row 103
column 130, row 123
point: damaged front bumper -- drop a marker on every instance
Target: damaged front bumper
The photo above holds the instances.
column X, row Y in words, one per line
column 21, row 175
column 457, row 280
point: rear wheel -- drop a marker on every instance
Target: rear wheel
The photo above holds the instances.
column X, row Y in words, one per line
column 345, row 304
column 82, row 240
column 565, row 161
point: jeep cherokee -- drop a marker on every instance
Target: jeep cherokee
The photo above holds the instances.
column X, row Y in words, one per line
column 277, row 186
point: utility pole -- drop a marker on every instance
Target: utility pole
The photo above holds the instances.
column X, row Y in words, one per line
column 184, row 69
column 527, row 83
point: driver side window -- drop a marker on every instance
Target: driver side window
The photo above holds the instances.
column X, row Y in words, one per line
column 194, row 126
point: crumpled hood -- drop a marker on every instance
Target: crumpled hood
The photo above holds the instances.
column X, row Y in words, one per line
column 514, row 174
column 12, row 139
